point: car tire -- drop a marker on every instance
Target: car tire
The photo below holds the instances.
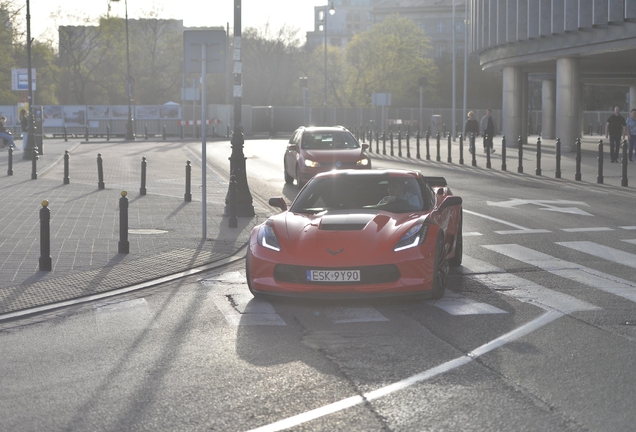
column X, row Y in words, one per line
column 456, row 260
column 440, row 269
column 288, row 179
column 247, row 275
column 298, row 181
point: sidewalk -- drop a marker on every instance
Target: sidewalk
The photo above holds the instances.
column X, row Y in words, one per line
column 165, row 232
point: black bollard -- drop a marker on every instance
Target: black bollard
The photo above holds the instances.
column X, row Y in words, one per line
column 65, row 134
column 428, row 147
column 599, row 160
column 473, row 152
column 10, row 162
column 520, row 144
column 45, row 237
column 577, row 175
column 557, row 173
column 417, row 145
column 391, row 139
column 449, row 158
column 181, row 132
column 377, row 141
column 439, row 157
column 408, row 144
column 100, row 172
column 233, row 220
column 370, row 141
column 142, row 189
column 488, row 164
column 146, row 131
column 461, row 149
column 86, row 134
column 107, row 132
column 624, row 161
column 123, row 247
column 383, row 142
column 34, row 163
column 198, row 135
column 188, row 195
column 538, row 170
column 503, row 153
column 163, row 134
column 67, row 179
column 400, row 143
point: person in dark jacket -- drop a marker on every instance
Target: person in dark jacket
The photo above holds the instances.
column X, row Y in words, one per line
column 615, row 129
column 471, row 130
column 489, row 128
column 4, row 133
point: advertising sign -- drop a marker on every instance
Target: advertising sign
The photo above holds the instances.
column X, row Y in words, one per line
column 20, row 79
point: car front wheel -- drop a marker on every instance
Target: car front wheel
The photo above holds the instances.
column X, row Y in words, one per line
column 299, row 182
column 288, row 179
column 440, row 269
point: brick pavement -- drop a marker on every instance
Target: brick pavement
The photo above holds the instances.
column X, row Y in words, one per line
column 165, row 232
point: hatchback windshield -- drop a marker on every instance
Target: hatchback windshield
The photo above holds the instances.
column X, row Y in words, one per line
column 328, row 140
column 394, row 194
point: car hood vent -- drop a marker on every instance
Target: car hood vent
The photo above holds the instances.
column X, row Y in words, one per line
column 345, row 222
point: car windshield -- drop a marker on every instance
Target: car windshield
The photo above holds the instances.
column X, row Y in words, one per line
column 393, row 194
column 328, row 140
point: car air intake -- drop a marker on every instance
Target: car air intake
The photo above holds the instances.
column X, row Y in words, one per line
column 345, row 222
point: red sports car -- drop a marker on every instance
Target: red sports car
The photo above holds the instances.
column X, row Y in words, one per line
column 312, row 150
column 351, row 232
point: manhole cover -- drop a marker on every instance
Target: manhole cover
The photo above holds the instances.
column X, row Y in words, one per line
column 146, row 231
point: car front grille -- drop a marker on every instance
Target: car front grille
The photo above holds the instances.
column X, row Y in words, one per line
column 368, row 274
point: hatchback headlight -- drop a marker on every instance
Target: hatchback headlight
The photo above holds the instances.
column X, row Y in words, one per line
column 267, row 238
column 311, row 164
column 414, row 237
column 363, row 162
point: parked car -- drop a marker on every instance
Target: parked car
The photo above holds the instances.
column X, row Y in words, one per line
column 359, row 233
column 312, row 150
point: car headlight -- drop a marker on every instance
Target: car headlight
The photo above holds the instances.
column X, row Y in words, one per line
column 414, row 237
column 363, row 162
column 311, row 164
column 267, row 238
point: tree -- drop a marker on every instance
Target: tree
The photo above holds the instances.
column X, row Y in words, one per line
column 389, row 58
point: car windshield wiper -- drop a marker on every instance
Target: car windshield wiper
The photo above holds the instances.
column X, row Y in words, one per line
column 310, row 210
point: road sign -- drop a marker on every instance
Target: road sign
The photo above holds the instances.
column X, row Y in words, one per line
column 215, row 42
column 20, row 79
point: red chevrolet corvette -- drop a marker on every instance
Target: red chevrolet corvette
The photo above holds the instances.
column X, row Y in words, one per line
column 352, row 232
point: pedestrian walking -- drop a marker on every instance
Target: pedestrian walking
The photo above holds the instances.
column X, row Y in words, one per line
column 489, row 128
column 4, row 133
column 631, row 132
column 24, row 124
column 471, row 130
column 615, row 129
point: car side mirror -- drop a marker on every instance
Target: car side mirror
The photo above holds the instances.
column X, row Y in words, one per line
column 365, row 146
column 450, row 201
column 278, row 202
column 293, row 147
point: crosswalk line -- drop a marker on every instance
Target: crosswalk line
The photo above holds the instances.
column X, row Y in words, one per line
column 456, row 304
column 602, row 251
column 569, row 270
column 522, row 289
column 246, row 310
column 342, row 315
column 632, row 241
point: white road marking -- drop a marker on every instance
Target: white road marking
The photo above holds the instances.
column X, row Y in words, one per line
column 471, row 234
column 519, row 229
column 323, row 411
column 244, row 310
column 522, row 289
column 456, row 304
column 590, row 229
column 632, row 241
column 628, row 228
column 584, row 275
column 548, row 205
column 342, row 315
column 601, row 251
column 127, row 314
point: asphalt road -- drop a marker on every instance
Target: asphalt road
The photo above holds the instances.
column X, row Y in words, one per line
column 536, row 333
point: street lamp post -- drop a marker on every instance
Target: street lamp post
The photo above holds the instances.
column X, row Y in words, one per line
column 331, row 11
column 29, row 151
column 130, row 129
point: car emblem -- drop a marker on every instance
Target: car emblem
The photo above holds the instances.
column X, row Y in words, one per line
column 334, row 253
column 338, row 164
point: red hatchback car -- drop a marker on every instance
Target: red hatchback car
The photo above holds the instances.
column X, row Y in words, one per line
column 312, row 150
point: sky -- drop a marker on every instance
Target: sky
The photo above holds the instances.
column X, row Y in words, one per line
column 194, row 13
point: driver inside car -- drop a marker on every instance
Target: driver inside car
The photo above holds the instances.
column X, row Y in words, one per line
column 397, row 190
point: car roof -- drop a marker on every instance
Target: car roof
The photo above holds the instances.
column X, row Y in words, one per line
column 323, row 128
column 370, row 173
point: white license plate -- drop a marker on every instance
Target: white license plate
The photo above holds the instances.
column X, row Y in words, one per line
column 333, row 275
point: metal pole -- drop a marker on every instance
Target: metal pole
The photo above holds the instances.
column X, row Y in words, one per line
column 29, row 152
column 204, row 113
column 130, row 134
column 324, row 110
column 454, row 84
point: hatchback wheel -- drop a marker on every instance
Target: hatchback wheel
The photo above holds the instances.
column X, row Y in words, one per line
column 288, row 179
column 299, row 182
